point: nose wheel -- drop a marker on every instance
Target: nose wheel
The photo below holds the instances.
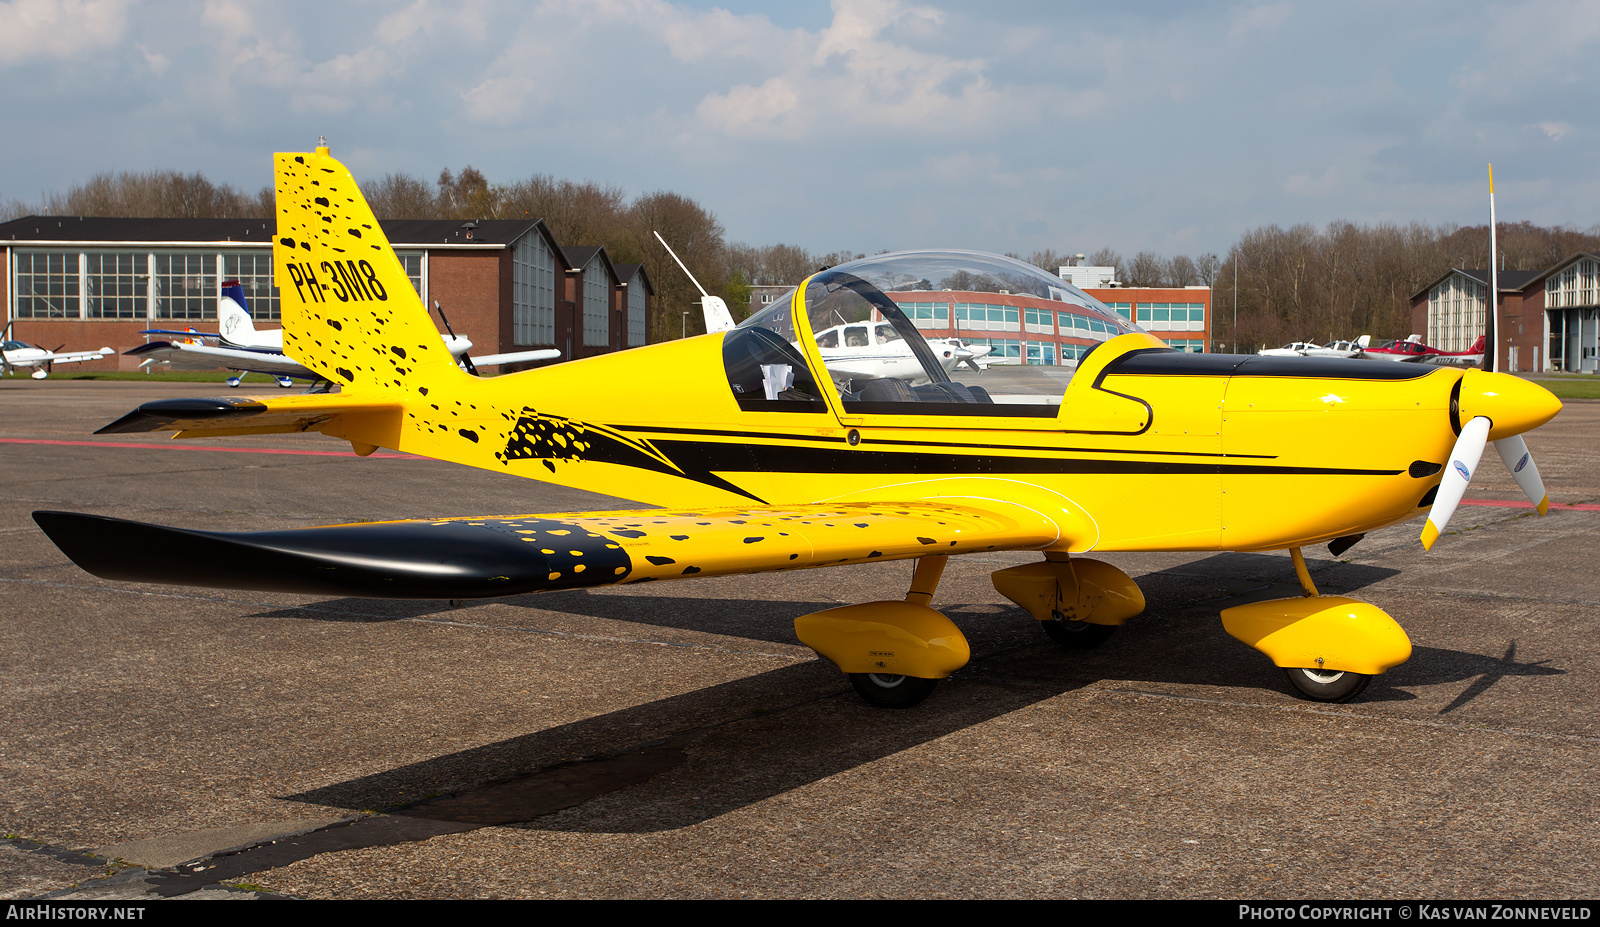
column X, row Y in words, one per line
column 882, row 690
column 1326, row 685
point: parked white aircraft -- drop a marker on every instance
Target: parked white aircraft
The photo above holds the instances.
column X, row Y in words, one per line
column 874, row 349
column 1331, row 349
column 22, row 354
column 243, row 348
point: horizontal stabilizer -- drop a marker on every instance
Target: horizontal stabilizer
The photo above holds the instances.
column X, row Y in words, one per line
column 284, row 413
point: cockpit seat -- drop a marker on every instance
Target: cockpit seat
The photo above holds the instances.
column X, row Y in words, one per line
column 951, row 391
column 886, row 389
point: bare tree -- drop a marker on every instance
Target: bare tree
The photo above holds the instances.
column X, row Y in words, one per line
column 1182, row 272
column 577, row 213
column 16, row 209
column 155, row 194
column 696, row 236
column 771, row 265
column 400, row 196
column 466, row 195
column 1048, row 260
column 1105, row 257
column 836, row 258
column 1146, row 269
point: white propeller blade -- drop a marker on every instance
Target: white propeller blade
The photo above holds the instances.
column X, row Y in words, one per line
column 1514, row 451
column 1458, row 472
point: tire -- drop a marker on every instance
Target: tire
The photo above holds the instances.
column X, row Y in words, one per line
column 1079, row 635
column 882, row 690
column 1326, row 686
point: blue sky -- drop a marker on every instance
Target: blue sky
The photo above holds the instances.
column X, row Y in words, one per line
column 860, row 124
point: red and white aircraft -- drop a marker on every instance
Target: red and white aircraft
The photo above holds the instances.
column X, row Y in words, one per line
column 1414, row 351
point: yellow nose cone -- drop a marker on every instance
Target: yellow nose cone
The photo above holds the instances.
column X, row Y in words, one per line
column 1512, row 404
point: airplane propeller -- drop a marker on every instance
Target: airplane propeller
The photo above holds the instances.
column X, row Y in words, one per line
column 1464, row 458
column 1468, row 449
column 466, row 361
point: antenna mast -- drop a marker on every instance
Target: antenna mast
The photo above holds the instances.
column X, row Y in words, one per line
column 680, row 264
column 1491, row 327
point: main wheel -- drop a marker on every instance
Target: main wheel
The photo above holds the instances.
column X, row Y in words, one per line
column 1079, row 635
column 882, row 690
column 1326, row 685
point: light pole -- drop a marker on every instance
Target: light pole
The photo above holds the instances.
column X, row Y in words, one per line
column 1236, row 304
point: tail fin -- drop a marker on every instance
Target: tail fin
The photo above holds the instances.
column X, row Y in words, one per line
column 1364, row 342
column 718, row 318
column 1478, row 346
column 233, row 315
column 349, row 311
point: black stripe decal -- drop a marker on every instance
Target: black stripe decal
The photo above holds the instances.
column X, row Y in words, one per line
column 704, row 457
column 763, row 435
column 1064, row 450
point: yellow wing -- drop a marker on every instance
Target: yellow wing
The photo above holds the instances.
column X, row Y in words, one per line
column 484, row 557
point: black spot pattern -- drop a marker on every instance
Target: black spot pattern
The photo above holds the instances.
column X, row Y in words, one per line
column 371, row 330
column 720, row 542
column 551, row 438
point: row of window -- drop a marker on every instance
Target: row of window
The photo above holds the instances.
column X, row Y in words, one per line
column 177, row 285
column 1172, row 317
column 1177, row 317
column 1456, row 310
column 1050, row 353
column 185, row 286
column 533, row 298
column 1578, row 285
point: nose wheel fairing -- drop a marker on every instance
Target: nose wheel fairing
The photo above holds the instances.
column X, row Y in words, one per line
column 1330, row 633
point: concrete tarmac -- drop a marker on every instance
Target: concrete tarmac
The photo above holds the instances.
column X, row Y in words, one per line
column 674, row 740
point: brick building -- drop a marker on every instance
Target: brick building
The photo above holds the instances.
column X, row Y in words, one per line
column 506, row 284
column 1023, row 329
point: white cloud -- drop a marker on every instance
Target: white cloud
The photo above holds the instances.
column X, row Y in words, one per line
column 157, row 62
column 59, row 28
column 1267, row 18
column 1554, row 129
column 854, row 75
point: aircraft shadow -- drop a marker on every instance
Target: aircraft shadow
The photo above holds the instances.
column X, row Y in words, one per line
column 799, row 724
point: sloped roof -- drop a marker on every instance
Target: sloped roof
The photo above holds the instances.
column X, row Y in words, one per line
column 1510, row 281
column 626, row 273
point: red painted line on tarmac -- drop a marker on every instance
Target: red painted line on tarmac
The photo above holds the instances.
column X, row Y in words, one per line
column 176, row 446
column 1529, row 505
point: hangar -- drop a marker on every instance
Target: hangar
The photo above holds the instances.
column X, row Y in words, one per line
column 505, row 283
column 1549, row 316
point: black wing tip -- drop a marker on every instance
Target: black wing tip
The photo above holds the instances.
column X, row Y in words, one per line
column 404, row 560
column 174, row 414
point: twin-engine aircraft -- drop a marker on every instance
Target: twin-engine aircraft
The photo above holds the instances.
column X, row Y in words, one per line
column 762, row 457
column 243, row 348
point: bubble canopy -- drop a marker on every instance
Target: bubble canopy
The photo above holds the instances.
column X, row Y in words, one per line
column 972, row 271
column 865, row 291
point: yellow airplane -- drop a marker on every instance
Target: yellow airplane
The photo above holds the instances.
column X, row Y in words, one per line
column 764, row 459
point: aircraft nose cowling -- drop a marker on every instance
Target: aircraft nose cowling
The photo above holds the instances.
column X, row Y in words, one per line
column 1512, row 405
